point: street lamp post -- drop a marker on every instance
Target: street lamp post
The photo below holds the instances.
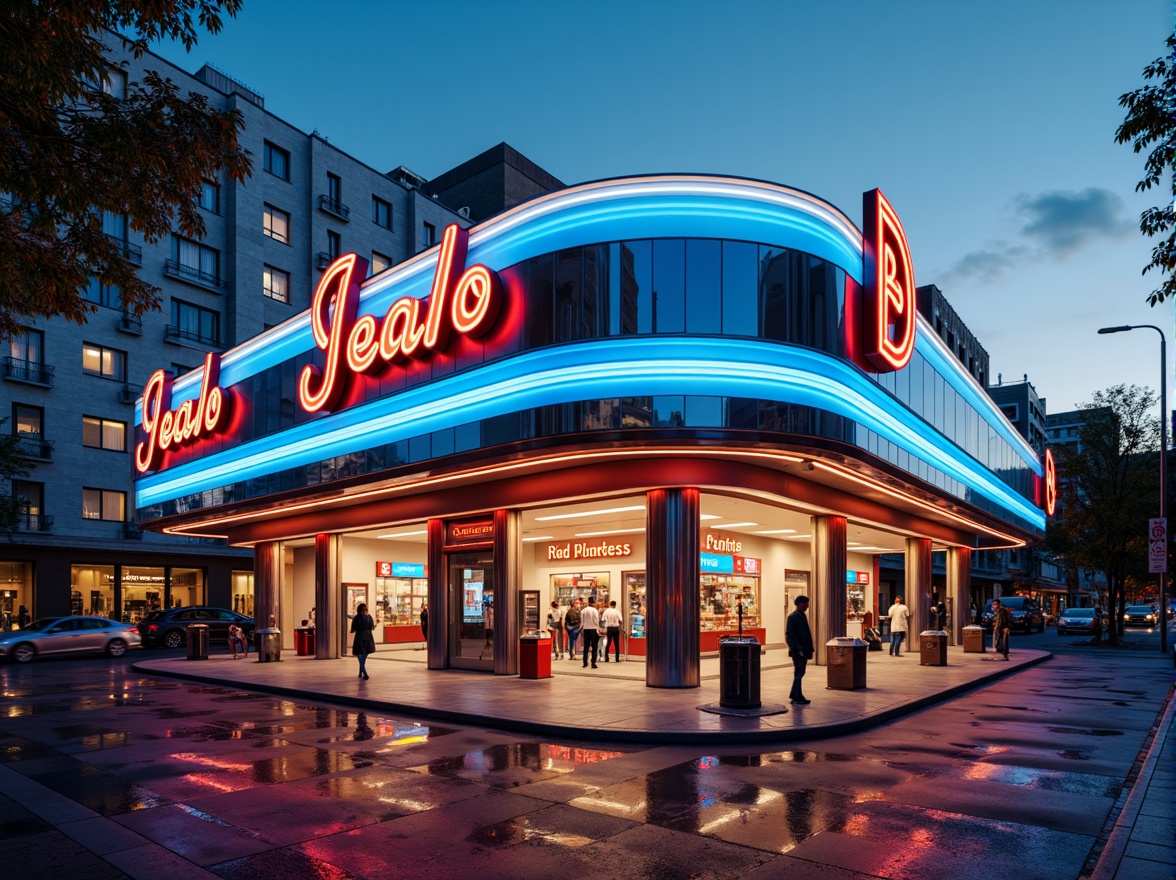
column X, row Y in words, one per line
column 1163, row 462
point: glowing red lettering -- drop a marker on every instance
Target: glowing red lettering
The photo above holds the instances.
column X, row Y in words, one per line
column 1051, row 484
column 889, row 306
column 468, row 304
column 166, row 428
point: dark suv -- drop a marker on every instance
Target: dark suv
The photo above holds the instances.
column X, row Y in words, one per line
column 169, row 628
column 1026, row 613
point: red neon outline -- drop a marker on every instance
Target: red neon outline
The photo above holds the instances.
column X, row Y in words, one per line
column 485, row 289
column 889, row 304
column 1051, row 483
column 339, row 287
column 166, row 428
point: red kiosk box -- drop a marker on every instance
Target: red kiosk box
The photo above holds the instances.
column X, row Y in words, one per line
column 535, row 656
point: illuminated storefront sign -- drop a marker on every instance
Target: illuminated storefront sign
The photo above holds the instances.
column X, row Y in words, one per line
column 588, row 550
column 469, row 532
column 1051, row 483
column 468, row 305
column 718, row 563
column 400, row 570
column 191, row 420
column 888, row 305
column 857, row 577
column 722, row 545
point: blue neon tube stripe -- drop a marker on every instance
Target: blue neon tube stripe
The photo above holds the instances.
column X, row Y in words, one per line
column 616, row 367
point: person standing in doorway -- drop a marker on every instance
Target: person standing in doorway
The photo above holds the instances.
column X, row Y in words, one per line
column 589, row 626
column 940, row 617
column 1002, row 622
column 364, row 642
column 899, row 613
column 555, row 625
column 611, row 620
column 425, row 622
column 800, row 648
column 22, row 617
column 572, row 626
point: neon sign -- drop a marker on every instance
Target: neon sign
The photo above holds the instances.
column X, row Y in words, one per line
column 1051, row 483
column 367, row 345
column 888, row 296
column 167, row 428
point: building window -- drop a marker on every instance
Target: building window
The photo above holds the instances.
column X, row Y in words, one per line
column 209, row 196
column 30, row 504
column 28, row 346
column 98, row 433
column 379, row 263
column 381, row 213
column 276, row 224
column 276, row 161
column 102, row 294
column 104, row 504
column 196, row 261
column 275, row 284
column 428, row 235
column 109, row 363
column 334, row 244
column 179, row 369
column 334, row 188
column 194, row 323
column 27, row 420
column 114, row 83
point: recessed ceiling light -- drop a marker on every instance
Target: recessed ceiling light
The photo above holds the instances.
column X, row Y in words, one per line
column 778, row 532
column 540, row 538
column 709, row 516
column 797, row 537
column 607, row 532
column 588, row 513
column 739, row 525
column 406, row 534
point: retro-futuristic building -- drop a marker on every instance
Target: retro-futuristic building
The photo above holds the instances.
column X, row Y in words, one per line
column 695, row 396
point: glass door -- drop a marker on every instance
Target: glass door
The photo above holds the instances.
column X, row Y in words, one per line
column 471, row 600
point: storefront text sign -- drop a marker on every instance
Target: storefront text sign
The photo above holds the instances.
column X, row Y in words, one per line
column 400, row 569
column 857, row 577
column 588, row 550
column 719, row 544
column 469, row 532
column 718, row 563
column 190, row 421
column 888, row 310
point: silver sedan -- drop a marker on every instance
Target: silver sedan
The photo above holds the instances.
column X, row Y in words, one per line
column 49, row 636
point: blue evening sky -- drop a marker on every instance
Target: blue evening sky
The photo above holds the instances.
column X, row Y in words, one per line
column 989, row 125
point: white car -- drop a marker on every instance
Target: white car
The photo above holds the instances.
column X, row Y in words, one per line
column 83, row 634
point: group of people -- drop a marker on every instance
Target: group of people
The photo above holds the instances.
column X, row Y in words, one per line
column 583, row 623
column 20, row 620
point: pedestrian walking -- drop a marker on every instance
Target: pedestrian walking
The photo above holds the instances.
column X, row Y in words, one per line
column 800, row 648
column 237, row 640
column 899, row 614
column 425, row 622
column 611, row 620
column 1002, row 622
column 572, row 627
column 22, row 617
column 555, row 625
column 364, row 642
column 589, row 626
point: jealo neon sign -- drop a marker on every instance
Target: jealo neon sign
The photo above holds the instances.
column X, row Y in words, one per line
column 468, row 304
column 888, row 296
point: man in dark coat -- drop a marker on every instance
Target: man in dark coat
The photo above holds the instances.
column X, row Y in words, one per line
column 800, row 647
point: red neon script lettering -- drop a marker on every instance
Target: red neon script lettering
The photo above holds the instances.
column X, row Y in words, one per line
column 468, row 304
column 192, row 419
column 1051, row 483
column 889, row 306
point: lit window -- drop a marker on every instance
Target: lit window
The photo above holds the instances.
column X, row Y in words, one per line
column 276, row 224
column 379, row 263
column 276, row 161
column 104, row 504
column 275, row 284
column 98, row 433
column 109, row 363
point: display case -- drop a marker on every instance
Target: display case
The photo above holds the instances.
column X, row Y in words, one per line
column 585, row 586
column 633, row 586
column 720, row 596
column 398, row 608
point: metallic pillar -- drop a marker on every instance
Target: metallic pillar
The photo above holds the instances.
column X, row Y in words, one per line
column 508, row 546
column 827, row 607
column 267, row 581
column 672, row 607
column 959, row 588
column 331, row 623
column 918, row 586
column 439, row 628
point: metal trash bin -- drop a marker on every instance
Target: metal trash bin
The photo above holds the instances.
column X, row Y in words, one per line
column 933, row 648
column 973, row 639
column 198, row 641
column 269, row 644
column 739, row 672
column 846, row 663
column 534, row 656
column 304, row 641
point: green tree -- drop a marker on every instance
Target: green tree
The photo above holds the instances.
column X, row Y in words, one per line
column 1151, row 123
column 12, row 467
column 70, row 151
column 1109, row 488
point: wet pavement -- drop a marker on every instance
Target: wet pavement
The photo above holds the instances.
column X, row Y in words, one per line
column 106, row 771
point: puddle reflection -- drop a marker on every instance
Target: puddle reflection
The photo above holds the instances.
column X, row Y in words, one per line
column 535, row 757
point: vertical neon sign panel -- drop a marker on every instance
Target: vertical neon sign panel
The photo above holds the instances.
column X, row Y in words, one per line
column 888, row 297
column 1051, row 483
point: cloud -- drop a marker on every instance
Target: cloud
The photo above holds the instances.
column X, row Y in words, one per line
column 1053, row 226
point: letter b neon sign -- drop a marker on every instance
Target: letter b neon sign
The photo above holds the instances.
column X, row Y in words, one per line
column 888, row 296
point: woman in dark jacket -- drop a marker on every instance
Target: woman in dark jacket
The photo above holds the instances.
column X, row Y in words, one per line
column 364, row 642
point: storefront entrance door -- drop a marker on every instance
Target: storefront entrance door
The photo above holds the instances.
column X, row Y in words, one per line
column 471, row 600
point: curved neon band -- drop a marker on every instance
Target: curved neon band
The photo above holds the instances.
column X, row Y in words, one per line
column 618, row 367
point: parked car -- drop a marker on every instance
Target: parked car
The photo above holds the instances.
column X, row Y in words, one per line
column 1026, row 613
column 1139, row 615
column 1082, row 620
column 82, row 634
column 169, row 628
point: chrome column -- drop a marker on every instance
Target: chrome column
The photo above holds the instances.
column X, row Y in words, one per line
column 672, row 588
column 267, row 581
column 439, row 610
column 330, row 608
column 828, row 551
column 508, row 543
column 918, row 587
column 959, row 588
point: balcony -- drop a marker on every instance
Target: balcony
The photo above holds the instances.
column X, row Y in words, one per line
column 132, row 253
column 191, row 338
column 335, row 208
column 32, row 372
column 190, row 275
column 131, row 324
column 127, row 394
column 37, row 523
column 35, row 447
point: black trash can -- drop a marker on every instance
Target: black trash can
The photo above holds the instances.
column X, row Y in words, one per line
column 198, row 641
column 269, row 644
column 739, row 672
column 933, row 648
column 846, row 663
